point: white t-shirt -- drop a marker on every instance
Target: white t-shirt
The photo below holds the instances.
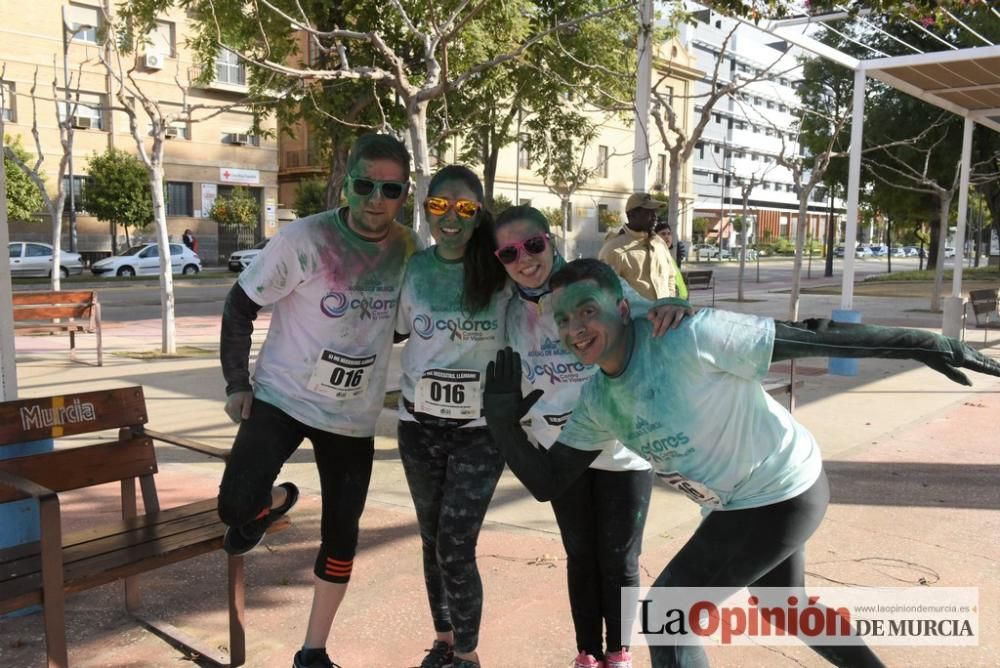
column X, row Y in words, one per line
column 335, row 294
column 690, row 403
column 548, row 366
column 444, row 360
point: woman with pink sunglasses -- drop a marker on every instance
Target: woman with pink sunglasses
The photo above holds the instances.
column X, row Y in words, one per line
column 602, row 552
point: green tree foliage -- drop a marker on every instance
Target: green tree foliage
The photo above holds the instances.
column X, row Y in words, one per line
column 118, row 190
column 239, row 208
column 23, row 197
column 498, row 204
column 557, row 140
column 310, row 198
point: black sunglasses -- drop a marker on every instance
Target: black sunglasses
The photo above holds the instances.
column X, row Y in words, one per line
column 390, row 189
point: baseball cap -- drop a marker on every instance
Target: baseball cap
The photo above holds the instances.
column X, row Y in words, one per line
column 643, row 201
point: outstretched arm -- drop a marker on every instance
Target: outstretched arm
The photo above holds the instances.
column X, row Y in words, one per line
column 819, row 337
column 546, row 473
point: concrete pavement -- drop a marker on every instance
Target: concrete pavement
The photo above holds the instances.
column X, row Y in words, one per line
column 913, row 462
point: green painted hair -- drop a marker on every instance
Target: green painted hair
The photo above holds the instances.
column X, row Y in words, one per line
column 588, row 269
column 523, row 212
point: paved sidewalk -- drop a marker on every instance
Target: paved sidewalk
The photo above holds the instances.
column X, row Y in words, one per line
column 913, row 461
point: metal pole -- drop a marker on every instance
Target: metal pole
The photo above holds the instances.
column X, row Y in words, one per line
column 640, row 160
column 963, row 208
column 8, row 368
column 853, row 190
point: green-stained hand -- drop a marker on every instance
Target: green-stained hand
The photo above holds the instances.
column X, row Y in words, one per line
column 502, row 400
column 962, row 357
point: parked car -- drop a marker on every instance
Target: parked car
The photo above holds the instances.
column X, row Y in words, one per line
column 863, row 251
column 880, row 251
column 705, row 250
column 898, row 251
column 838, row 251
column 241, row 259
column 144, row 260
column 736, row 250
column 33, row 258
column 911, row 251
column 949, row 251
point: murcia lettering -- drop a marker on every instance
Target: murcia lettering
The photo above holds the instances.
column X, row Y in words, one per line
column 37, row 417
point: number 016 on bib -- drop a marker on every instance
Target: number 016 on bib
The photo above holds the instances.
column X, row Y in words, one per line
column 449, row 393
column 340, row 376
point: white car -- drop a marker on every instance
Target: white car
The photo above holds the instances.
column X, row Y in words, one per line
column 241, row 259
column 144, row 260
column 949, row 251
column 33, row 258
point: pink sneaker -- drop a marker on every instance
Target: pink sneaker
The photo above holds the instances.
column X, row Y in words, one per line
column 585, row 660
column 619, row 659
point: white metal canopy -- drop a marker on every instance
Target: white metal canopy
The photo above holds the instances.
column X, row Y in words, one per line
column 964, row 81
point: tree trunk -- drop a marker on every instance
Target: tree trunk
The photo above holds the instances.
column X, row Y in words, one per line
column 566, row 250
column 800, row 234
column 55, row 215
column 674, row 195
column 416, row 117
column 491, row 158
column 932, row 244
column 743, row 249
column 945, row 201
column 168, row 329
column 114, row 237
column 828, row 269
column 336, row 175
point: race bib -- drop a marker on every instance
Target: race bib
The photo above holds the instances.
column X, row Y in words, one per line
column 340, row 376
column 449, row 393
column 692, row 489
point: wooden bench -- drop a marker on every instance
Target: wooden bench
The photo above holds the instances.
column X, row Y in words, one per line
column 42, row 572
column 985, row 305
column 53, row 312
column 700, row 280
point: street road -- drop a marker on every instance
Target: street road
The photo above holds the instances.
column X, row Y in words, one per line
column 206, row 296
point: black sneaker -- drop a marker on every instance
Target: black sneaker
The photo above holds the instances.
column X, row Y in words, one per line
column 240, row 540
column 464, row 663
column 438, row 656
column 318, row 659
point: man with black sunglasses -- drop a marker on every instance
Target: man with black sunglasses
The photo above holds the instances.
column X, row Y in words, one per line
column 333, row 280
column 637, row 254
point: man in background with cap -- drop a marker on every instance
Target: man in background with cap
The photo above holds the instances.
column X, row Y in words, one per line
column 639, row 256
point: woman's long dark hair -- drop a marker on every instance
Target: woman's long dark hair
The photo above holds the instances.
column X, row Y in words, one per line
column 483, row 274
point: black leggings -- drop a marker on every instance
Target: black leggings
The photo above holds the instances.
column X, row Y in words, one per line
column 757, row 547
column 263, row 444
column 452, row 474
column 601, row 518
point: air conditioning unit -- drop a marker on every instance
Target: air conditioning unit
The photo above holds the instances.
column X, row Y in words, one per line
column 82, row 122
column 239, row 138
column 153, row 61
column 170, row 132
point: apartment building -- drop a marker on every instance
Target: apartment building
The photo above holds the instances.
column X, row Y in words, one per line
column 600, row 200
column 745, row 134
column 203, row 160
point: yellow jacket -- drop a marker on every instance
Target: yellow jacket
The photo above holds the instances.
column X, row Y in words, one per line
column 644, row 261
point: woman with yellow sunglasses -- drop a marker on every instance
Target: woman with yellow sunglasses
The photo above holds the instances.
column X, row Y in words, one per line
column 453, row 314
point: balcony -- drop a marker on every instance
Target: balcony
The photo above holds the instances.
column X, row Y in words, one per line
column 301, row 161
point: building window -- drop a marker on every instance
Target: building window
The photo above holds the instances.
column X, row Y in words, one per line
column 669, row 95
column 770, row 104
column 782, row 108
column 602, row 161
column 87, row 110
column 715, row 178
column 239, row 139
column 701, row 149
column 176, row 130
column 602, row 217
column 524, row 202
column 523, row 157
column 661, row 170
column 79, row 187
column 229, row 69
column 84, row 21
column 757, row 101
column 753, row 156
column 718, row 118
column 161, row 39
column 8, row 105
column 179, row 200
column 716, row 148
